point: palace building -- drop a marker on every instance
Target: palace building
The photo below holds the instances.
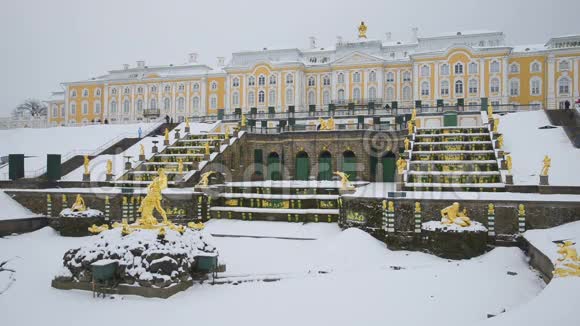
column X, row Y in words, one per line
column 463, row 68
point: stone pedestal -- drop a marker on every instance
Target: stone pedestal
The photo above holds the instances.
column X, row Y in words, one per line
column 86, row 177
column 235, row 134
column 109, row 177
column 509, row 179
column 177, row 135
column 187, row 130
column 225, row 141
column 127, row 165
column 154, row 149
column 166, row 142
column 500, row 154
column 347, row 191
column 206, row 157
column 503, row 164
column 544, row 180
column 141, row 157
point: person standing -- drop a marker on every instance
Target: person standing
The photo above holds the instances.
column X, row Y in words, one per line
column 140, row 132
column 166, row 118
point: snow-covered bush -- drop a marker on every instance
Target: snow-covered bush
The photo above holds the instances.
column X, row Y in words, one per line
column 67, row 212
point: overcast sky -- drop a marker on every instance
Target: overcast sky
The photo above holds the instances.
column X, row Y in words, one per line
column 44, row 42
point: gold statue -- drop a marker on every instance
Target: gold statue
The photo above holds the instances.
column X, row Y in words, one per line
column 568, row 263
column 322, row 124
column 204, row 180
column 186, row 122
column 414, row 114
column 109, row 167
column 98, row 229
column 391, row 207
column 547, row 164
column 500, row 141
column 417, row 207
column 79, row 205
column 86, row 164
column 345, row 184
column 362, row 30
column 180, row 165
column 521, row 210
column 508, row 163
column 495, row 125
column 411, row 127
column 453, row 215
column 401, row 165
column 166, row 134
column 206, row 148
column 196, row 226
column 489, row 112
column 152, row 201
column 490, row 209
column 407, row 144
column 243, row 120
column 227, row 132
column 330, row 123
column 141, row 150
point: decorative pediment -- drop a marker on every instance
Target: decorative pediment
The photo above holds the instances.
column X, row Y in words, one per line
column 357, row 58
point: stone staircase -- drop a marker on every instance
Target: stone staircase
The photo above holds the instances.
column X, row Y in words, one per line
column 289, row 201
column 453, row 159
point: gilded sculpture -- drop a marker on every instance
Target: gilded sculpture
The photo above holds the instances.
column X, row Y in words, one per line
column 166, row 134
column 500, row 141
column 244, row 120
column 407, row 144
column 109, row 167
column 345, row 183
column 568, row 263
column 401, row 165
column 180, row 165
column 414, row 114
column 521, row 210
column 490, row 112
column 547, row 163
column 79, row 204
column 86, row 164
column 204, row 179
column 453, row 215
column 362, row 30
column 187, row 123
column 417, row 207
column 152, row 202
column 206, row 148
column 490, row 209
column 141, row 150
column 411, row 127
column 326, row 124
column 508, row 163
column 496, row 125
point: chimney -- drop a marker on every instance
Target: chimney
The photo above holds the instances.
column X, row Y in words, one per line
column 415, row 31
column 312, row 42
column 125, row 66
column 339, row 40
column 221, row 61
column 192, row 57
column 389, row 36
column 140, row 64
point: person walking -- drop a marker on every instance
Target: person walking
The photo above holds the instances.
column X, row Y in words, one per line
column 167, row 119
column 140, row 132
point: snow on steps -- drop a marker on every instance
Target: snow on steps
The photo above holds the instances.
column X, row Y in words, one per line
column 274, row 210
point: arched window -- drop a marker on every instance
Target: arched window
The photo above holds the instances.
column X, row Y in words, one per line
column 311, row 98
column 213, row 86
column 425, row 88
column 289, row 96
column 126, row 106
column 340, row 78
column 236, row 82
column 251, row 98
column 195, row 103
column 473, row 86
column 326, row 80
column 356, row 77
column 406, row 76
column 196, row 86
column 73, row 93
column 459, row 87
column 494, row 86
column 213, row 102
column 127, row 90
column 180, row 88
column 514, row 68
column 140, row 90
column 425, row 71
column 445, row 69
column 251, row 81
column 273, row 80
column 311, row 81
column 341, row 95
column 458, row 68
column 564, row 65
column 326, row 98
column 97, row 108
column 372, row 93
column 153, row 89
column 261, row 97
column 272, row 98
column 536, row 86
column 494, row 67
column 236, row 99
column 139, row 105
column 289, row 79
column 85, row 108
column 85, row 92
column 73, row 108
column 390, row 94
column 113, row 91
column 167, row 104
column 113, row 106
column 390, row 77
column 514, row 87
column 372, row 76
column 98, row 92
column 181, row 104
column 153, row 104
column 168, row 89
column 473, row 68
column 356, row 94
column 564, row 86
column 406, row 93
column 445, row 88
column 261, row 80
column 536, row 67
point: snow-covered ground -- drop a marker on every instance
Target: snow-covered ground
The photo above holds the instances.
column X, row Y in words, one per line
column 36, row 143
column 344, row 278
column 271, row 229
column 543, row 240
column 529, row 144
column 12, row 210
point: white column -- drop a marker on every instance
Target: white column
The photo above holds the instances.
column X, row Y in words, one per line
column 398, row 81
column 347, row 94
column 436, row 86
column 66, row 104
column 297, row 106
column 279, row 91
column 146, row 99
column 505, row 82
column 576, row 71
column 173, row 100
column 203, row 89
column 416, row 83
column 227, row 102
column 133, row 108
column 244, row 94
column 105, row 102
column 381, row 84
column 551, row 83
column 482, row 77
column 188, row 109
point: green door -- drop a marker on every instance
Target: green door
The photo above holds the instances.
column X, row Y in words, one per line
column 274, row 167
column 302, row 166
column 349, row 165
column 325, row 166
column 450, row 119
column 388, row 168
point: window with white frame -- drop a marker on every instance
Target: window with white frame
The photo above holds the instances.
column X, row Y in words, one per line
column 97, row 108
column 126, row 106
column 444, row 69
column 458, row 68
column 139, row 90
column 289, row 79
column 459, row 87
column 406, row 93
column 311, row 81
column 356, row 77
column 167, row 104
column 251, row 98
column 54, row 111
column 473, row 86
column 168, row 88
column 494, row 86
column 406, row 76
column 514, row 87
column 113, row 91
column 251, row 81
column 564, row 86
column 340, row 78
column 536, row 67
column 181, row 87
column 372, row 93
column 473, row 68
column 326, row 80
column 356, row 94
column 514, row 68
column 261, row 97
column 153, row 89
column 73, row 93
column 341, row 95
column 325, row 98
column 153, row 104
column 289, row 96
column 85, row 108
column 536, row 86
column 372, row 76
column 214, row 86
column 445, row 88
column 62, row 110
column 127, row 90
column 390, row 94
column 236, row 82
column 139, row 105
column 494, row 67
column 85, row 92
column 311, row 98
column 213, row 102
column 195, row 86
column 425, row 88
column 425, row 71
column 98, row 92
column 181, row 104
column 273, row 80
column 564, row 65
column 236, row 99
column 261, row 80
column 390, row 77
column 195, row 103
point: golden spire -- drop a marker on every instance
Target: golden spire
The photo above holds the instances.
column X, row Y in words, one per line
column 362, row 30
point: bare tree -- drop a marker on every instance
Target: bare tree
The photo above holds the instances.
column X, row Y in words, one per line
column 11, row 278
column 31, row 107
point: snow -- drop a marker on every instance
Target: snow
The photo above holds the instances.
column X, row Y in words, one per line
column 348, row 278
column 543, row 240
column 291, row 184
column 12, row 210
column 36, row 143
column 528, row 145
column 272, row 229
column 275, row 210
column 67, row 212
column 453, row 228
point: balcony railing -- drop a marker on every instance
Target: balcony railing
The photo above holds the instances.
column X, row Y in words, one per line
column 151, row 112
